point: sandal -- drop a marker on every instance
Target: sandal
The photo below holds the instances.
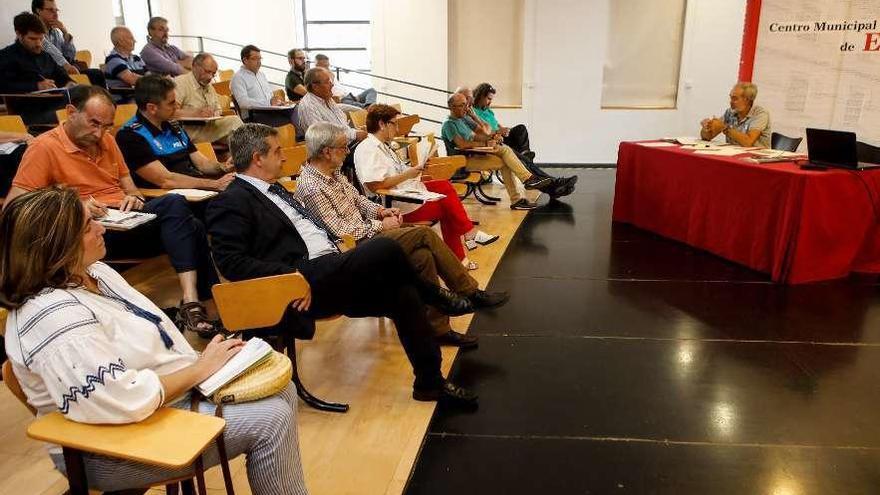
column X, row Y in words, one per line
column 471, row 265
column 192, row 317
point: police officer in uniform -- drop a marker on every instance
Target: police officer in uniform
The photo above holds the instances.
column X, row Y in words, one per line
column 158, row 149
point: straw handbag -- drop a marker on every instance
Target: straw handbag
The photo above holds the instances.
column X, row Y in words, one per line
column 263, row 380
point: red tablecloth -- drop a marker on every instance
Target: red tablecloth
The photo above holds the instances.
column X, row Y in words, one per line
column 797, row 225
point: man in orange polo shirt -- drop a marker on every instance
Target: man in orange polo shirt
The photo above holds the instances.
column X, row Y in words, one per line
column 81, row 154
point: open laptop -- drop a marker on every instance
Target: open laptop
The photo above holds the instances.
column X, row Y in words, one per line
column 827, row 148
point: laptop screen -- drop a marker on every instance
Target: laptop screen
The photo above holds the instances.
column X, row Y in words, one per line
column 834, row 148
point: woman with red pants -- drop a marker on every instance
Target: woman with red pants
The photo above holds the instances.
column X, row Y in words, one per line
column 378, row 167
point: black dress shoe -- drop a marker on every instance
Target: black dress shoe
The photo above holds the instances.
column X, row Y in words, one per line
column 448, row 393
column 483, row 299
column 537, row 182
column 455, row 339
column 562, row 187
column 446, row 301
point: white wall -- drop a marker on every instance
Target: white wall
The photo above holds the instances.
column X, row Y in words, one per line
column 563, row 62
column 409, row 42
column 90, row 22
column 273, row 26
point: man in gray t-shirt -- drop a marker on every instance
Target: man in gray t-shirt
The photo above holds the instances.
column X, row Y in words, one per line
column 744, row 123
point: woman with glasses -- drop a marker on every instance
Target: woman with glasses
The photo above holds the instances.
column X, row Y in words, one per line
column 379, row 167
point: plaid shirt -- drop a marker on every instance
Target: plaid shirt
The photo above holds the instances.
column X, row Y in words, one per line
column 337, row 203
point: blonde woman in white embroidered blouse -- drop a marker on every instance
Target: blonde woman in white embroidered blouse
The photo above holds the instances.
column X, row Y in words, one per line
column 84, row 342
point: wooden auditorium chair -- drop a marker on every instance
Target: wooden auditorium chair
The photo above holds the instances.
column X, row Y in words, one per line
column 260, row 304
column 170, row 438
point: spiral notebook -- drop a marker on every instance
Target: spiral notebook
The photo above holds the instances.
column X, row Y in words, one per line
column 118, row 220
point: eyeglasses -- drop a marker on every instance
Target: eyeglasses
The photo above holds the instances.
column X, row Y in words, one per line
column 94, row 124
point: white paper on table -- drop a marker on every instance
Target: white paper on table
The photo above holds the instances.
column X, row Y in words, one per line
column 728, row 151
column 657, row 144
column 775, row 153
column 690, row 141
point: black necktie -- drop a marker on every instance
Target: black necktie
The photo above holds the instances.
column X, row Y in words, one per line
column 288, row 198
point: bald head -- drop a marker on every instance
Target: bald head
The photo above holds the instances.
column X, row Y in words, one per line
column 122, row 39
column 204, row 68
column 467, row 92
column 454, row 99
column 458, row 105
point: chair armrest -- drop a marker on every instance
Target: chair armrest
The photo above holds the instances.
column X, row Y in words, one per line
column 443, row 168
column 153, row 193
column 271, row 295
column 170, row 438
column 156, row 193
column 406, row 140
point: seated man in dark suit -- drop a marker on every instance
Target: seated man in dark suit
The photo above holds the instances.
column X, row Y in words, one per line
column 259, row 229
column 25, row 68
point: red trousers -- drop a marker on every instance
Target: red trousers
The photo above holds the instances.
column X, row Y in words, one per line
column 454, row 221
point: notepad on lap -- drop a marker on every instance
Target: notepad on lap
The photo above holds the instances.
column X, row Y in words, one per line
column 8, row 148
column 117, row 220
column 252, row 354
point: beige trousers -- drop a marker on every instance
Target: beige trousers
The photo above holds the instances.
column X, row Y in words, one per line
column 216, row 130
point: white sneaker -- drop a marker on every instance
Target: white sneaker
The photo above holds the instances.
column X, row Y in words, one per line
column 484, row 239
